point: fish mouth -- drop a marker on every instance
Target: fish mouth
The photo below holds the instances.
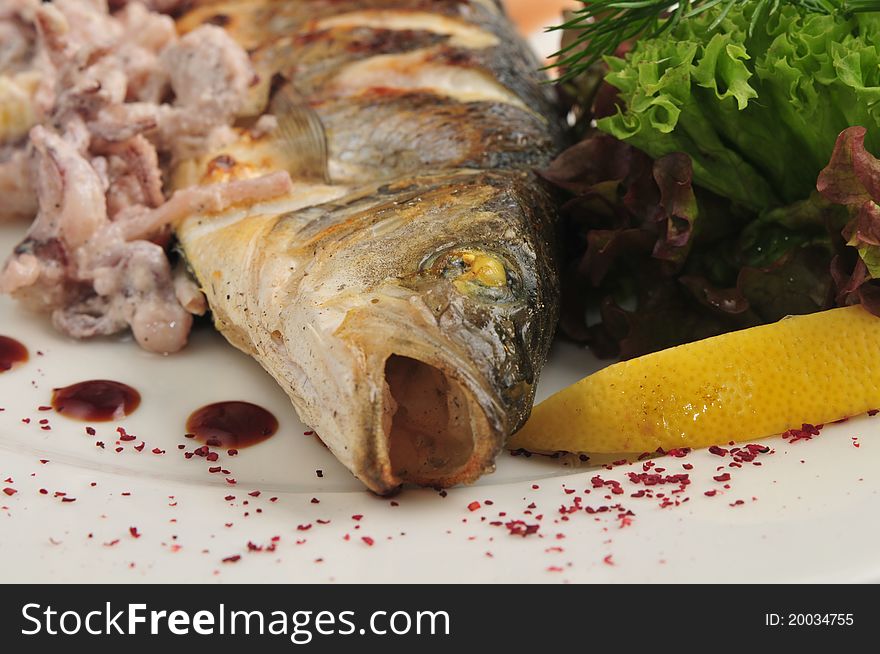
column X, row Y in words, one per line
column 424, row 409
column 435, row 431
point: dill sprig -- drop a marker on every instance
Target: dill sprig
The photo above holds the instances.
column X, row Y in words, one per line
column 603, row 25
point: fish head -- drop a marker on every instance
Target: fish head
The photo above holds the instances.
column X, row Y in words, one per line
column 441, row 313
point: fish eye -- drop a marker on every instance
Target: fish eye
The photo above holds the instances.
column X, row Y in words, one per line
column 475, row 272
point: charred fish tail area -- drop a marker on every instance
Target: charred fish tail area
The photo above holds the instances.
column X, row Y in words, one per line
column 406, row 307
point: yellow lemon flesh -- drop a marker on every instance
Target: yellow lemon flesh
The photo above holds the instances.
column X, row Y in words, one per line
column 739, row 386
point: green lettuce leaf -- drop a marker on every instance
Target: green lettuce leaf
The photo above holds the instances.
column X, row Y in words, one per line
column 757, row 113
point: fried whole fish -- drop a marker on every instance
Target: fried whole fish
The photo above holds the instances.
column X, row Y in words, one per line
column 404, row 294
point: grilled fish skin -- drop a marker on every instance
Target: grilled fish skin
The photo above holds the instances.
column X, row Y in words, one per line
column 407, row 306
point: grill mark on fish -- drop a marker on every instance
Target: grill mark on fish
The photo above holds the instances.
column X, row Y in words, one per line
column 422, row 70
column 361, row 304
column 459, row 33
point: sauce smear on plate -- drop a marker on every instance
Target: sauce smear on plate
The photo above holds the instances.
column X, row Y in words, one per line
column 11, row 352
column 231, row 424
column 97, row 400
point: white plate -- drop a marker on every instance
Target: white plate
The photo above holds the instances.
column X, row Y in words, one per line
column 814, row 518
column 808, row 513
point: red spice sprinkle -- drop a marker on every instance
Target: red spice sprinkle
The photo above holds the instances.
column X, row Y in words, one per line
column 134, row 532
column 357, row 516
column 112, row 543
column 26, row 421
column 327, row 522
column 229, row 498
column 710, row 493
column 855, row 441
column 738, row 503
column 255, row 493
column 232, row 559
column 156, row 450
column 319, row 473
column 232, row 452
column 118, row 450
column 535, row 487
column 90, row 431
column 212, row 456
column 369, row 541
column 305, row 527
column 315, row 500
column 140, row 448
column 127, row 438
column 679, row 452
column 43, row 491
column 396, row 503
column 718, row 451
column 44, row 421
column 215, row 469
column 44, row 408
column 722, row 477
column 473, row 506
column 46, row 428
column 273, row 499
column 230, row 480
column 68, row 499
column 608, row 560
column 44, row 461
column 10, row 491
column 520, row 528
column 805, row 433
column 873, row 412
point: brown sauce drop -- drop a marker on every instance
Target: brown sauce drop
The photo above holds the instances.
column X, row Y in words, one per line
column 98, row 400
column 11, row 352
column 231, row 424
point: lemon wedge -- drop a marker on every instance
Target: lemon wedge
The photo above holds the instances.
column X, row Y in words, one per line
column 738, row 386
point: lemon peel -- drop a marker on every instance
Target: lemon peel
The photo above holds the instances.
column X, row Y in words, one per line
column 738, row 386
